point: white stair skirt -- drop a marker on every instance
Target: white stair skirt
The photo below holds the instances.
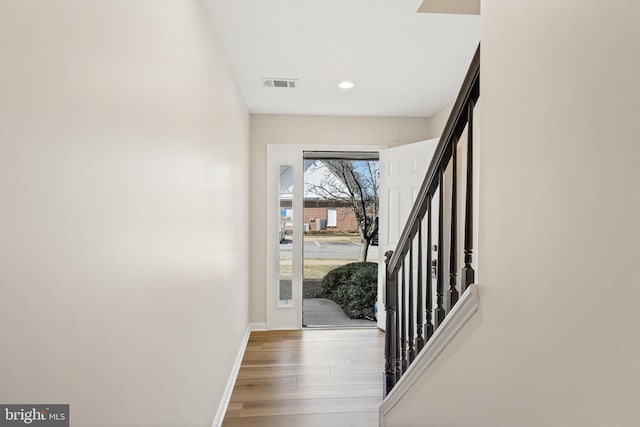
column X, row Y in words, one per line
column 466, row 306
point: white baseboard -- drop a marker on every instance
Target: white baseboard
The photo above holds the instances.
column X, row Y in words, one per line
column 226, row 396
column 455, row 320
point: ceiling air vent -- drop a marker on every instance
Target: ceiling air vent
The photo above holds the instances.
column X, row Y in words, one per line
column 290, row 83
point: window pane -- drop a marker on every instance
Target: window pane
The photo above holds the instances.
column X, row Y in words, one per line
column 332, row 217
column 285, row 235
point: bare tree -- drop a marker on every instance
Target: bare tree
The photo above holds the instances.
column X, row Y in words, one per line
column 355, row 182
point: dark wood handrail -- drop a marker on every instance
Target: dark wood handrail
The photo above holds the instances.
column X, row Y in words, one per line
column 453, row 129
column 411, row 321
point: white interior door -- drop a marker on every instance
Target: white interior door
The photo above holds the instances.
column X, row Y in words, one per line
column 402, row 170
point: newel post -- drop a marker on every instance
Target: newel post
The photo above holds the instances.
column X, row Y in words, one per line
column 390, row 338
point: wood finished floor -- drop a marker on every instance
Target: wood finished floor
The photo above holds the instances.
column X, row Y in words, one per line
column 309, row 378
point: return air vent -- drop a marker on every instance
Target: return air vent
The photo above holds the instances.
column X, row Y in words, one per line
column 287, row 83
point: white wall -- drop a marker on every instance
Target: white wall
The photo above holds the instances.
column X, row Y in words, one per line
column 438, row 121
column 556, row 341
column 124, row 195
column 320, row 130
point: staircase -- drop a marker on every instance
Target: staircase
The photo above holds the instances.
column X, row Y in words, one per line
column 422, row 284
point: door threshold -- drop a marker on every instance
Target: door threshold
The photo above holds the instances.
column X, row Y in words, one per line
column 333, row 327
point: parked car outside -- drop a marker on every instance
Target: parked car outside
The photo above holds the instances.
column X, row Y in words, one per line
column 374, row 240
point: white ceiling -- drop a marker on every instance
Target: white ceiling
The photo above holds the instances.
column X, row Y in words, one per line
column 402, row 62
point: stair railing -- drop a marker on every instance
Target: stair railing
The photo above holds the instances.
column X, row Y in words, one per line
column 416, row 306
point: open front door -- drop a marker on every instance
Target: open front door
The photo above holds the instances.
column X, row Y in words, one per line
column 402, row 170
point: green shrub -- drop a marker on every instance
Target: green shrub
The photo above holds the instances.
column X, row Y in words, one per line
column 354, row 287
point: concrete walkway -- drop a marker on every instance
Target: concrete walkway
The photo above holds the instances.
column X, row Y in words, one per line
column 325, row 312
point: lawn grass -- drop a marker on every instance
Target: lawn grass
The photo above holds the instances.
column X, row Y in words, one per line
column 313, row 268
column 318, row 271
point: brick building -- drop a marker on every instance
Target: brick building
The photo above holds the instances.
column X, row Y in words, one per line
column 321, row 213
column 329, row 215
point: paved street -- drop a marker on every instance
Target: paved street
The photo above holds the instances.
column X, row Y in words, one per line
column 326, row 248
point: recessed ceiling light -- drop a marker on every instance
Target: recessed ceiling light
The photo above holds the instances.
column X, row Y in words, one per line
column 346, row 84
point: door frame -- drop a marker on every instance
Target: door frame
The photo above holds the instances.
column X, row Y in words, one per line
column 290, row 316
